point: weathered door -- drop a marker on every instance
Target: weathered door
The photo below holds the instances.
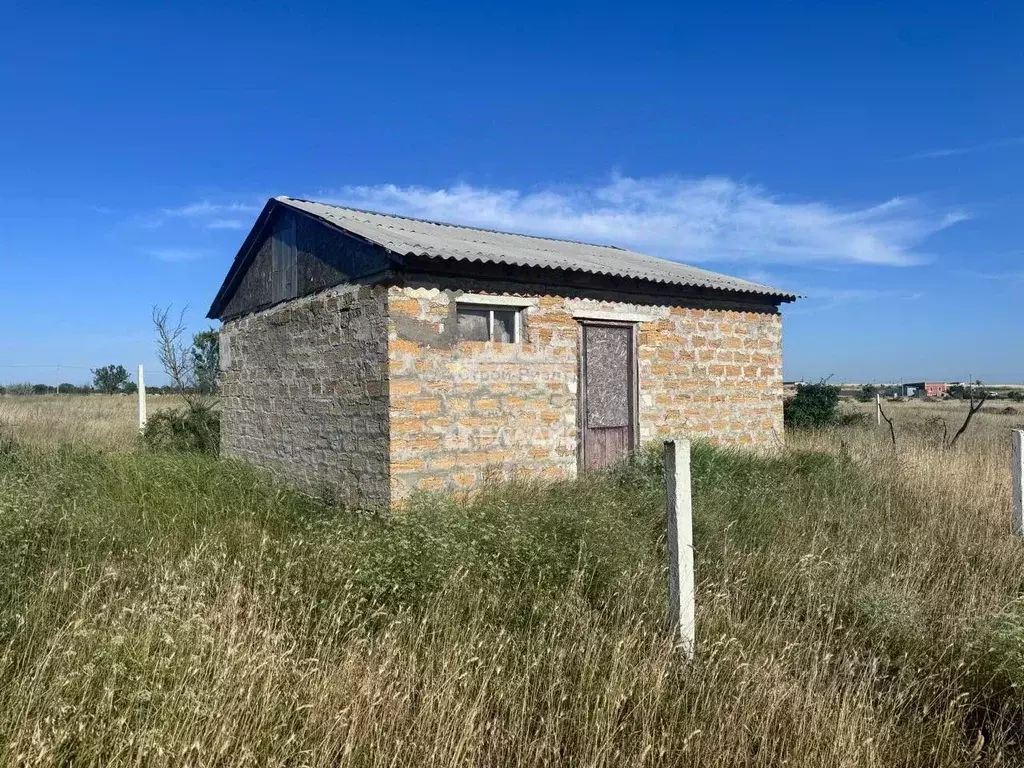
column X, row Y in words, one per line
column 607, row 413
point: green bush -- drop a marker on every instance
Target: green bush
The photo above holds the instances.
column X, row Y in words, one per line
column 192, row 429
column 814, row 405
column 867, row 393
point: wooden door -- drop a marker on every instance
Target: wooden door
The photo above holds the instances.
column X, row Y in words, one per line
column 607, row 411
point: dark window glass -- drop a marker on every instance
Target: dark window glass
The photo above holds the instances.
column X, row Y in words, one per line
column 473, row 324
column 504, row 325
column 499, row 324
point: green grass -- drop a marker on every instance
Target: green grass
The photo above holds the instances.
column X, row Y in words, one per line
column 179, row 610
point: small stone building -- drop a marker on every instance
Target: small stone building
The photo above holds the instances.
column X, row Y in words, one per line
column 925, row 389
column 367, row 355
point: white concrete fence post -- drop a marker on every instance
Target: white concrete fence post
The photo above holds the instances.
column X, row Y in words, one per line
column 878, row 408
column 1017, row 478
column 679, row 538
column 142, row 398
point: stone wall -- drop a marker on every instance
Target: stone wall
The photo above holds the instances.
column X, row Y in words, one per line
column 305, row 392
column 462, row 410
column 364, row 392
column 711, row 373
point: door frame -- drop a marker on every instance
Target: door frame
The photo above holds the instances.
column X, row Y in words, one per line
column 581, row 393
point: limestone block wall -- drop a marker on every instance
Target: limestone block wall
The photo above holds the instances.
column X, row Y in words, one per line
column 462, row 410
column 364, row 392
column 711, row 373
column 305, row 392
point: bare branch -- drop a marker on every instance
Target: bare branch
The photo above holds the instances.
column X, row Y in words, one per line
column 174, row 355
column 892, row 429
column 971, row 410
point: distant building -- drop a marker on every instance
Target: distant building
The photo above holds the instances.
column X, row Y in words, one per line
column 925, row 389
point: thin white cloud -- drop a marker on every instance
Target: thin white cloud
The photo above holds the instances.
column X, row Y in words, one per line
column 1010, row 276
column 204, row 214
column 697, row 220
column 227, row 224
column 824, row 298
column 761, row 276
column 1014, row 141
column 205, row 209
column 177, row 254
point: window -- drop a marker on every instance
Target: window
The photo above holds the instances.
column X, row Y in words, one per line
column 284, row 280
column 476, row 323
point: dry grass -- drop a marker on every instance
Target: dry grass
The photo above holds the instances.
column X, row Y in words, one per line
column 108, row 422
column 855, row 608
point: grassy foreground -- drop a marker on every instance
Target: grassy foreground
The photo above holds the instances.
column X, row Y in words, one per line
column 854, row 609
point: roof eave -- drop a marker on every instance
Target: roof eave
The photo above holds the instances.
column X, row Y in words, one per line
column 772, row 294
column 397, row 262
column 397, row 255
column 415, row 263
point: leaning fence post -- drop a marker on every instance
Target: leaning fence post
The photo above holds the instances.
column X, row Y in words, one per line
column 679, row 538
column 1017, row 478
column 142, row 398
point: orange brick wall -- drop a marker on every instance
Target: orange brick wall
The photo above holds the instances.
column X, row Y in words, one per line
column 462, row 410
column 711, row 373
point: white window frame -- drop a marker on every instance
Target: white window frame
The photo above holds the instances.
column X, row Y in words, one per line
column 491, row 308
column 496, row 302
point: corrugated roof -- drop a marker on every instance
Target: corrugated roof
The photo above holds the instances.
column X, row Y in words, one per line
column 432, row 239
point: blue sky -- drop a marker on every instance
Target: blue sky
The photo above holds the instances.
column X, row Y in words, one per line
column 868, row 155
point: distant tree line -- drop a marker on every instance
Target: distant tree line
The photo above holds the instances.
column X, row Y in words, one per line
column 868, row 391
column 202, row 360
column 66, row 388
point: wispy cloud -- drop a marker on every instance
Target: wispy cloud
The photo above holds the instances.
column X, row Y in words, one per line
column 177, row 254
column 227, row 224
column 206, row 209
column 823, row 298
column 204, row 214
column 1009, row 276
column 986, row 146
column 761, row 276
column 699, row 220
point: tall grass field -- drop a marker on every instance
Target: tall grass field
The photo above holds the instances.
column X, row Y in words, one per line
column 856, row 606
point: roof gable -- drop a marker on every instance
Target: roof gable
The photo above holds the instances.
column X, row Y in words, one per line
column 407, row 236
column 400, row 236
